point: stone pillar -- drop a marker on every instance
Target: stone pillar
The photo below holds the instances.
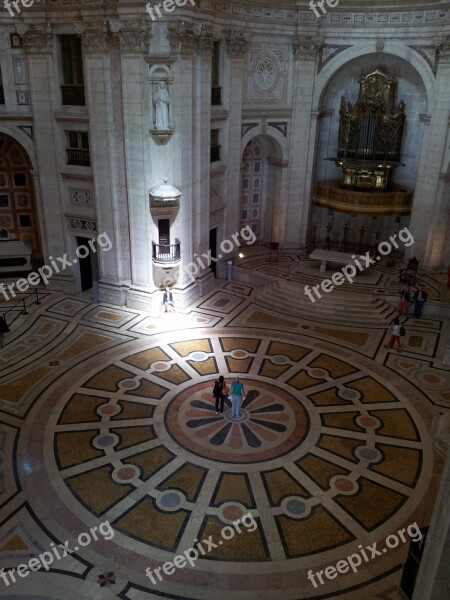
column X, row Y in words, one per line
column 430, row 212
column 432, row 579
column 131, row 132
column 202, row 173
column 38, row 47
column 302, row 144
column 236, row 49
column 103, row 99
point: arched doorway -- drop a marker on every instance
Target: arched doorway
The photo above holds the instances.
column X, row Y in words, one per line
column 18, row 211
column 260, row 188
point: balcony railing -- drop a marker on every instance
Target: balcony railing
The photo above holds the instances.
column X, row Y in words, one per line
column 166, row 254
column 216, row 96
column 73, row 95
column 215, row 153
column 78, row 157
column 2, row 95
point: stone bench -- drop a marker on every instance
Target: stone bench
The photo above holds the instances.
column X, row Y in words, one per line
column 326, row 256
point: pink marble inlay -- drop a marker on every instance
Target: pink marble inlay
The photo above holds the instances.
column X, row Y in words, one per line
column 232, row 512
column 344, row 485
column 368, row 422
column 125, row 473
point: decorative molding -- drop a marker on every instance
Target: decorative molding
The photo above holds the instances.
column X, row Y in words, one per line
column 444, row 53
column 328, row 52
column 36, row 41
column 237, row 44
column 246, row 127
column 360, row 202
column 134, row 41
column 267, row 74
column 424, row 118
column 28, row 130
column 19, row 69
column 22, row 97
column 430, row 54
column 76, row 176
column 81, row 197
column 282, row 127
column 305, row 48
column 94, row 40
column 85, row 224
column 182, row 41
column 66, row 117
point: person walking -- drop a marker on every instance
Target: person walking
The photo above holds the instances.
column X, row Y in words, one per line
column 420, row 297
column 404, row 300
column 3, row 329
column 220, row 392
column 237, row 394
column 395, row 337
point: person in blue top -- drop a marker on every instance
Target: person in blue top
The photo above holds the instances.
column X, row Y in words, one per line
column 237, row 394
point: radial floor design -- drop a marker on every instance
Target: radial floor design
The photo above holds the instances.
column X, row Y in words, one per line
column 107, row 414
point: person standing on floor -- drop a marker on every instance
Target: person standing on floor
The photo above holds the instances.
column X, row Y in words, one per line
column 420, row 297
column 3, row 329
column 404, row 300
column 220, row 392
column 395, row 337
column 237, row 394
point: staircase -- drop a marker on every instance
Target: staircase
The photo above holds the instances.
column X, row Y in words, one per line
column 336, row 307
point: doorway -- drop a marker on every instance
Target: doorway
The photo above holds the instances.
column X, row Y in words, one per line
column 85, row 265
column 213, row 248
column 164, row 236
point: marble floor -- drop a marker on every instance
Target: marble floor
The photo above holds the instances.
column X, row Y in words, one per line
column 108, row 430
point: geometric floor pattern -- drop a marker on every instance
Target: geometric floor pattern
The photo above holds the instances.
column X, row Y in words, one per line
column 106, row 414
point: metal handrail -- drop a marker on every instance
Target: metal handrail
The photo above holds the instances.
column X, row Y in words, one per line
column 23, row 309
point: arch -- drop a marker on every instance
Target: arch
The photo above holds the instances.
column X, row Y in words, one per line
column 260, row 184
column 23, row 140
column 417, row 62
column 274, row 138
column 19, row 214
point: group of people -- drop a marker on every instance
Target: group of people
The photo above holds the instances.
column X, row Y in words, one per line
column 419, row 298
column 222, row 392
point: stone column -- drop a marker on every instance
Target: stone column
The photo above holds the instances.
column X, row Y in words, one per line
column 202, row 166
column 430, row 212
column 38, row 47
column 236, row 49
column 302, row 144
column 131, row 131
column 432, row 579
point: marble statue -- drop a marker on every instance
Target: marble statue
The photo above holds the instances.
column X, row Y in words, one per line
column 161, row 99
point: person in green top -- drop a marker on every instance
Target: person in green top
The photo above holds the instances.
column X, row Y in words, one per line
column 237, row 394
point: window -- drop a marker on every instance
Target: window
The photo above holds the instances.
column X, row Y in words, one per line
column 216, row 90
column 20, row 180
column 25, row 221
column 215, row 146
column 78, row 150
column 72, row 71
